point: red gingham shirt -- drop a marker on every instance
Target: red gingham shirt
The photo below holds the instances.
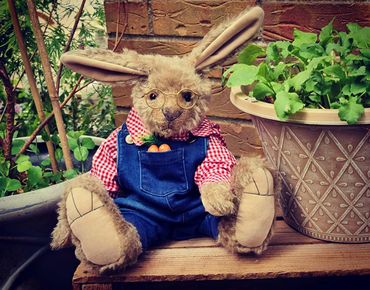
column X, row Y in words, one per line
column 215, row 167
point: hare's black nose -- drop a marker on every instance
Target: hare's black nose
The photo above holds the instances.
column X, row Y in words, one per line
column 171, row 115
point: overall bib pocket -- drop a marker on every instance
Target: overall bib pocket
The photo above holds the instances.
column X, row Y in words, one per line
column 163, row 173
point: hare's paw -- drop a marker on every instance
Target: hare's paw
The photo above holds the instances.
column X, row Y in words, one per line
column 102, row 239
column 256, row 212
column 217, row 198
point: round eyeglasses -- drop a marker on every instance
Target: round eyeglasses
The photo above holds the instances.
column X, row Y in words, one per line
column 186, row 98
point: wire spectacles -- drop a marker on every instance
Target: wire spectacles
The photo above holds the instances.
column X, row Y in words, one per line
column 186, row 98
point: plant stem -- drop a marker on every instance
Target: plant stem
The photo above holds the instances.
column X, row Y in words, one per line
column 50, row 83
column 9, row 113
column 31, row 80
column 68, row 45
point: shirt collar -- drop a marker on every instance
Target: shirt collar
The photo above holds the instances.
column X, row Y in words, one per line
column 137, row 129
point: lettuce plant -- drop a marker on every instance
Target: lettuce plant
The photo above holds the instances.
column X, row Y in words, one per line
column 329, row 70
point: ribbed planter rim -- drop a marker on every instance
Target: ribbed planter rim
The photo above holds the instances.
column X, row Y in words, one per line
column 34, row 202
column 306, row 116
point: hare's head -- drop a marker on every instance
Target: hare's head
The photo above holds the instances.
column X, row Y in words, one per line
column 171, row 94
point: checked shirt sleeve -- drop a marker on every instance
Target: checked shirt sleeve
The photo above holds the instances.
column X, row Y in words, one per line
column 104, row 163
column 218, row 163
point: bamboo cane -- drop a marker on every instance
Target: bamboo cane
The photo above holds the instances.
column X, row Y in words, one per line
column 50, row 84
column 68, row 45
column 32, row 81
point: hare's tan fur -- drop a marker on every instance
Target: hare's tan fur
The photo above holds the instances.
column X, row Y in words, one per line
column 169, row 74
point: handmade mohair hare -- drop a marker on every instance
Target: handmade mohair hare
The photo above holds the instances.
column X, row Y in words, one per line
column 170, row 97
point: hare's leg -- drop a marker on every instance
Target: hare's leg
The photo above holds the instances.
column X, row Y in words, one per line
column 101, row 236
column 250, row 229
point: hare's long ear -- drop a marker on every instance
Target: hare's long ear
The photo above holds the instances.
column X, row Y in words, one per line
column 106, row 66
column 224, row 41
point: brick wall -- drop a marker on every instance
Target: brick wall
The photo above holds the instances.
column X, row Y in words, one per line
column 173, row 27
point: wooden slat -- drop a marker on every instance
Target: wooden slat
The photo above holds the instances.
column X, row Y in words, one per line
column 284, row 235
column 182, row 264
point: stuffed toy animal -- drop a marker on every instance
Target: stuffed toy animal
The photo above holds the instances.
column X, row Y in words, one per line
column 185, row 185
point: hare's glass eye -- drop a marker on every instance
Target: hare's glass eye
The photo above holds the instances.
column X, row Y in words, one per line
column 153, row 96
column 187, row 96
column 187, row 99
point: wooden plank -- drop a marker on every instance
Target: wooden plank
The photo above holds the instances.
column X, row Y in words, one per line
column 284, row 235
column 97, row 287
column 182, row 264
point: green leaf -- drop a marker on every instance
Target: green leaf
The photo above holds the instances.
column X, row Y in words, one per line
column 55, row 139
column 287, row 104
column 365, row 52
column 272, row 53
column 358, row 88
column 24, row 166
column 9, row 184
column 361, row 71
column 72, row 143
column 16, row 146
column 249, row 54
column 279, row 70
column 261, row 90
column 301, row 37
column 81, row 153
column 88, row 143
column 75, row 134
column 22, row 158
column 33, row 148
column 4, row 167
column 46, row 162
column 70, row 173
column 326, row 33
column 58, row 154
column 34, row 175
column 241, row 74
column 335, row 71
column 351, row 111
column 298, row 80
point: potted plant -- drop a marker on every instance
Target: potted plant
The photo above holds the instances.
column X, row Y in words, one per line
column 309, row 99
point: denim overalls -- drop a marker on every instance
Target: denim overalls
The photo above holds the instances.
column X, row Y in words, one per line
column 161, row 198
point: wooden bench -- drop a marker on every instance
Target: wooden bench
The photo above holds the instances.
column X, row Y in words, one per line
column 290, row 255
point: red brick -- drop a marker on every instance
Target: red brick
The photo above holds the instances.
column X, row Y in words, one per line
column 154, row 46
column 193, row 17
column 282, row 18
column 135, row 12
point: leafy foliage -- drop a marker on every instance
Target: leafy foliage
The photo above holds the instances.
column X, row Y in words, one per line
column 90, row 112
column 326, row 70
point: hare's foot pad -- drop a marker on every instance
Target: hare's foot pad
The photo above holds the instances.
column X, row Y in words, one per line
column 93, row 225
column 256, row 212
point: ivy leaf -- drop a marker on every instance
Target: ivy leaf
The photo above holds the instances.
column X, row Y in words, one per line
column 34, row 175
column 241, row 74
column 75, row 134
column 34, row 148
column 287, row 104
column 261, row 90
column 81, row 153
column 88, row 143
column 301, row 37
column 249, row 54
column 350, row 111
column 46, row 162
